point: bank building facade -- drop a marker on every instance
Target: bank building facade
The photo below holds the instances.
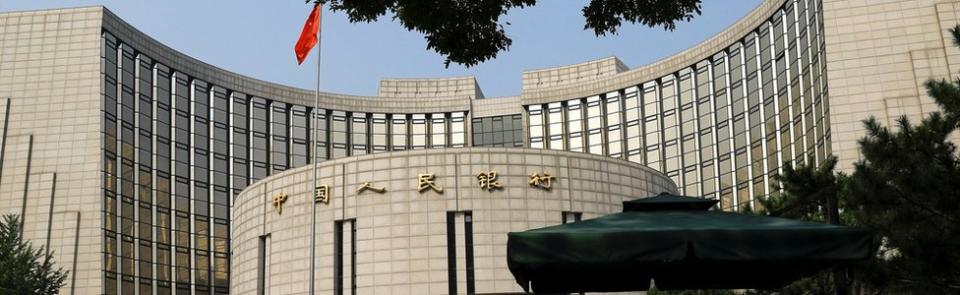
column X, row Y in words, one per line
column 150, row 172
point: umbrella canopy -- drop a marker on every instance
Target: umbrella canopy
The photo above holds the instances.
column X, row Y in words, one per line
column 678, row 243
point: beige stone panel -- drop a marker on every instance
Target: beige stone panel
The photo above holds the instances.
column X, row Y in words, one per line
column 928, row 65
column 500, row 106
column 879, row 54
column 465, row 87
column 39, row 207
column 587, row 71
column 64, row 241
column 4, row 115
column 16, row 167
column 49, row 70
column 948, row 15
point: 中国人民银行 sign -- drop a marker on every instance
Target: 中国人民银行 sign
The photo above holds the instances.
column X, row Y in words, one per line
column 486, row 181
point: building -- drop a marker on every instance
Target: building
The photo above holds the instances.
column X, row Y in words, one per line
column 132, row 161
column 384, row 232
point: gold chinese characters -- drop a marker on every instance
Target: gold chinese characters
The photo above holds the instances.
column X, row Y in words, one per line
column 368, row 186
column 278, row 200
column 322, row 194
column 541, row 180
column 425, row 181
column 488, row 181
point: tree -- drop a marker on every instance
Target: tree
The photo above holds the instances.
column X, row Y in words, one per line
column 906, row 187
column 814, row 194
column 809, row 193
column 23, row 269
column 469, row 32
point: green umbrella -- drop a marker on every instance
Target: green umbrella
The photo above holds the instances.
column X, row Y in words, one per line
column 678, row 243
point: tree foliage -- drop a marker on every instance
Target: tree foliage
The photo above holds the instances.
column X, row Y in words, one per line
column 23, row 269
column 906, row 187
column 808, row 193
column 811, row 193
column 469, row 32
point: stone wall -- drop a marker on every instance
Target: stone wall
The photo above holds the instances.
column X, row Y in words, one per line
column 50, row 141
column 402, row 234
column 879, row 54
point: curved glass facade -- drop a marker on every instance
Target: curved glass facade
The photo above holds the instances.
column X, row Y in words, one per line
column 720, row 127
column 176, row 149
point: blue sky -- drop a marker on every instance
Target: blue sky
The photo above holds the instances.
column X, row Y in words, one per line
column 256, row 38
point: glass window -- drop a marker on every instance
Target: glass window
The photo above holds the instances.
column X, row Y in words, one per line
column 358, row 133
column 595, row 125
column 418, row 134
column 220, row 138
column 535, row 114
column 517, row 129
column 689, row 119
column 778, row 32
column 378, row 132
column 323, row 139
column 634, row 143
column 575, row 125
column 500, row 131
column 299, row 138
column 555, row 125
column 279, row 133
column 757, row 156
column 764, row 42
column 398, row 129
column 478, row 132
column 685, row 87
column 240, row 141
column 259, row 140
column 596, row 135
column 338, row 135
column 438, row 130
column 221, row 267
column 742, row 168
column 726, row 178
column 458, row 129
column 651, row 125
column 671, row 129
column 614, row 113
column 736, row 80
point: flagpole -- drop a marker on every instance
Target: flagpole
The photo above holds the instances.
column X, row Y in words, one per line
column 316, row 159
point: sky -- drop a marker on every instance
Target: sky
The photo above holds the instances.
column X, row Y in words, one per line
column 256, row 37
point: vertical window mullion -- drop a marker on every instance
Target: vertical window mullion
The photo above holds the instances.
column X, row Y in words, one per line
column 338, row 257
column 353, row 256
column 451, row 253
column 468, row 251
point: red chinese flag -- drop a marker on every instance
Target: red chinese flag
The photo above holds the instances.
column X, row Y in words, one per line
column 308, row 37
